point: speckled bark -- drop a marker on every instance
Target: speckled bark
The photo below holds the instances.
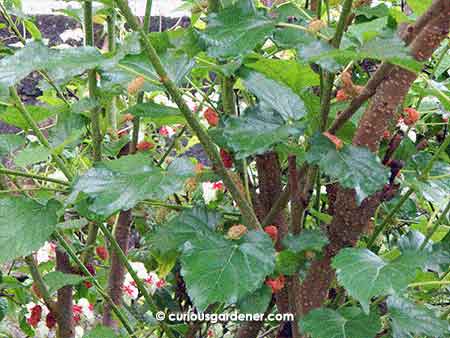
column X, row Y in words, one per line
column 351, row 220
column 270, row 187
column 117, row 270
column 64, row 304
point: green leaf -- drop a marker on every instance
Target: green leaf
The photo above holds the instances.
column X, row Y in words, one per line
column 3, row 308
column 121, row 184
column 157, row 113
column 419, row 6
column 257, row 131
column 32, row 155
column 61, row 64
column 289, row 263
column 349, row 322
column 39, row 113
column 55, row 280
column 69, row 129
column 307, row 240
column 25, row 225
column 409, row 320
column 101, row 332
column 256, row 302
column 274, row 96
column 10, row 143
column 365, row 275
column 235, row 31
column 188, row 225
column 225, row 271
column 354, row 167
column 436, row 189
column 294, row 75
column 320, row 52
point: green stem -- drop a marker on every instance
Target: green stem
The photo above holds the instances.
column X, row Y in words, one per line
column 346, row 10
column 437, row 223
column 210, row 148
column 171, row 146
column 112, row 108
column 8, row 172
column 140, row 98
column 139, row 284
column 388, row 218
column 430, row 283
column 39, row 281
column 405, row 197
column 92, row 82
column 71, row 252
column 228, row 101
column 35, row 128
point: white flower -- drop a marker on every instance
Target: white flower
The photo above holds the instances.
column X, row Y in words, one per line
column 79, row 332
column 46, row 253
column 412, row 136
column 130, row 291
column 86, row 309
column 42, row 331
column 211, row 190
column 140, row 269
column 72, row 34
column 167, row 131
column 163, row 100
column 32, row 138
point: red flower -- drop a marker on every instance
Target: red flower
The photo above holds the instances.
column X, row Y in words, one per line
column 77, row 311
column 413, row 116
column 212, row 117
column 218, row 185
column 341, row 95
column 336, row 140
column 276, row 284
column 50, row 320
column 35, row 318
column 226, row 159
column 144, row 145
column 161, row 283
column 386, row 135
column 272, row 231
column 102, row 252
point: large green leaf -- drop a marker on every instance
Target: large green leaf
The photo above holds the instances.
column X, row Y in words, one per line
column 291, row 73
column 101, row 332
column 13, row 117
column 157, row 113
column 365, row 275
column 256, row 302
column 348, row 322
column 10, row 143
column 55, row 280
column 257, row 131
column 353, row 167
column 59, row 63
column 68, row 130
column 274, row 96
column 219, row 270
column 409, row 320
column 32, row 155
column 121, row 184
column 24, row 225
column 235, row 31
column 305, row 241
column 188, row 225
column 436, row 188
column 375, row 48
